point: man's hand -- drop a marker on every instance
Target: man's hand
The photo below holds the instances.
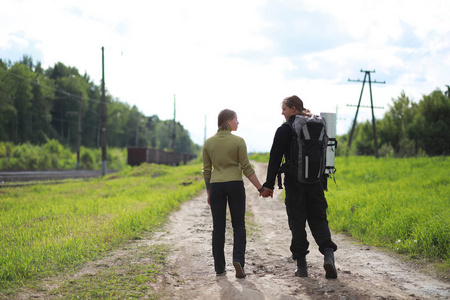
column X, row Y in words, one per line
column 266, row 193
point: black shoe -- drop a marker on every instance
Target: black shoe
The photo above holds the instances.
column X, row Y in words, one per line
column 222, row 273
column 328, row 265
column 302, row 268
column 239, row 270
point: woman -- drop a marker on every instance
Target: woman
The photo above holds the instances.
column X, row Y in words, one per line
column 224, row 160
column 304, row 202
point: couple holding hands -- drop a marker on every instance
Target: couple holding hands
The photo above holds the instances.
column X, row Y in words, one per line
column 225, row 159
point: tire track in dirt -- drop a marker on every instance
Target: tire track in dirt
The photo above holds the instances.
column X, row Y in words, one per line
column 364, row 272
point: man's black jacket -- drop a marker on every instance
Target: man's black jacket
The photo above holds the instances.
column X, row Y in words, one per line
column 280, row 147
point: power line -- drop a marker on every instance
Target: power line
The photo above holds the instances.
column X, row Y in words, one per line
column 59, row 90
column 53, row 118
column 352, row 105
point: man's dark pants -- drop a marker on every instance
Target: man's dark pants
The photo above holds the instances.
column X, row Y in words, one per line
column 307, row 202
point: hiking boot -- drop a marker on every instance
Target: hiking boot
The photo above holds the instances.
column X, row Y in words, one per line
column 239, row 270
column 302, row 268
column 328, row 264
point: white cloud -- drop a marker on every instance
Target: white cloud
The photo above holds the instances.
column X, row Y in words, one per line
column 236, row 54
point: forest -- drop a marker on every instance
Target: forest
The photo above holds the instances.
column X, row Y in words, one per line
column 38, row 105
column 407, row 129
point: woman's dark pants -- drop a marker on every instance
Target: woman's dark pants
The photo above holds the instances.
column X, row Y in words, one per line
column 220, row 194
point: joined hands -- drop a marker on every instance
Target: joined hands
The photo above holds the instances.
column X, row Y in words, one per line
column 266, row 193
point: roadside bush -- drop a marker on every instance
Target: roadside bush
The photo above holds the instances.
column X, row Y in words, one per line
column 6, row 149
column 87, row 158
column 2, row 150
column 26, row 156
column 55, row 156
column 116, row 158
column 54, row 147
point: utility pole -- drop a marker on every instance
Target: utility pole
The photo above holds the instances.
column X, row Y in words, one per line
column 204, row 138
column 79, row 130
column 103, row 102
column 174, row 132
column 375, row 142
column 136, row 142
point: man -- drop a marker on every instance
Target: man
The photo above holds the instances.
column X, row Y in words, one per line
column 303, row 201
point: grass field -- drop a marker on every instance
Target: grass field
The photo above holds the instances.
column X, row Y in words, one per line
column 48, row 228
column 400, row 204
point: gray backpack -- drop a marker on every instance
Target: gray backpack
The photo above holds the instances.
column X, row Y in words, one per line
column 308, row 148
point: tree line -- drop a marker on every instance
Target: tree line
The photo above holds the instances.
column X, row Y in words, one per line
column 38, row 105
column 407, row 129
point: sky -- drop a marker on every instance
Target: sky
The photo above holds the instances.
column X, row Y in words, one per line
column 244, row 55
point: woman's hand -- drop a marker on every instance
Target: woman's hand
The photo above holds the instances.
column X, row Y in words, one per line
column 266, row 193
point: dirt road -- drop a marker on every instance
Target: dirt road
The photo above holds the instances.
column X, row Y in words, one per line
column 364, row 272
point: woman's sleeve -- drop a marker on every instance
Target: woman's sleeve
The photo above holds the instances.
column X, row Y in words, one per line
column 243, row 159
column 207, row 166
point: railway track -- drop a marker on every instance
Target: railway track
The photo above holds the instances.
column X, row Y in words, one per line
column 22, row 178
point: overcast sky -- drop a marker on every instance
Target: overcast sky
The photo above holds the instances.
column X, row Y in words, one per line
column 245, row 55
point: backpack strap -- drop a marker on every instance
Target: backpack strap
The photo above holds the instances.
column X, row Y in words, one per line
column 322, row 133
column 306, row 133
column 279, row 180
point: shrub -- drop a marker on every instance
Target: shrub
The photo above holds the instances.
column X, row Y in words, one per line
column 54, row 147
column 116, row 158
column 2, row 150
column 53, row 156
column 6, row 149
column 87, row 158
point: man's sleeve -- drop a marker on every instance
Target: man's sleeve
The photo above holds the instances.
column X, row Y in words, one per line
column 280, row 141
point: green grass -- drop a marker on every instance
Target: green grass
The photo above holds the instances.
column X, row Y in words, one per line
column 259, row 157
column 402, row 204
column 49, row 228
